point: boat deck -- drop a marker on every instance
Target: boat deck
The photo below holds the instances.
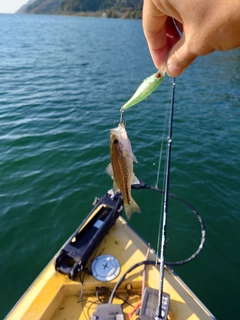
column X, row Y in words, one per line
column 54, row 296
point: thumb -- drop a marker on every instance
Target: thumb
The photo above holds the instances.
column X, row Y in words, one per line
column 180, row 57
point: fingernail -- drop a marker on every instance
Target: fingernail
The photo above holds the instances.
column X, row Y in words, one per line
column 173, row 71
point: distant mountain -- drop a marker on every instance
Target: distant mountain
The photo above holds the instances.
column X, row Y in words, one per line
column 107, row 8
column 95, row 5
column 24, row 7
column 44, row 6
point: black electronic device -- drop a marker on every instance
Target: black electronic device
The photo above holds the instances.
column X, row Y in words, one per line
column 75, row 253
column 108, row 311
column 150, row 303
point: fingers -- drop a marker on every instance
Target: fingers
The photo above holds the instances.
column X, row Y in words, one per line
column 180, row 58
column 153, row 21
column 206, row 26
column 163, row 38
column 169, row 52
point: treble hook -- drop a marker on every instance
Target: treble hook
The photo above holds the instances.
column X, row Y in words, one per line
column 121, row 116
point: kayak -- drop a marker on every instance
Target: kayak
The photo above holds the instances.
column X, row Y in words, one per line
column 106, row 271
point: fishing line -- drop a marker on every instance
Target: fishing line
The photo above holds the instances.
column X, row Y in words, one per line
column 160, row 215
column 162, row 140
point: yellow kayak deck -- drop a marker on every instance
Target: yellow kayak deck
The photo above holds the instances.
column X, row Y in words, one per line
column 54, row 296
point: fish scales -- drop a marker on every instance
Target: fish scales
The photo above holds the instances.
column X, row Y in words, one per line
column 121, row 167
column 120, row 172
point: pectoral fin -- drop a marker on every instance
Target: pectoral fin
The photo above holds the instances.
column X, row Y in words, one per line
column 134, row 158
column 135, row 180
column 115, row 187
column 109, row 170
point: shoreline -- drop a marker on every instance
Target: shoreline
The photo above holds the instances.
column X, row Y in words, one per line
column 128, row 14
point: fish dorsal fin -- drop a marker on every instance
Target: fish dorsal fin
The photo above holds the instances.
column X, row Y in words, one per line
column 109, row 170
column 135, row 180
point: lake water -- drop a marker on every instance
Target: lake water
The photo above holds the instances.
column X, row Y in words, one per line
column 63, row 81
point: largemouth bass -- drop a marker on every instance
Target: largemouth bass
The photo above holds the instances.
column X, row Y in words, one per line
column 121, row 167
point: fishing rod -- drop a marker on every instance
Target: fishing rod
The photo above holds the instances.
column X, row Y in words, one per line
column 159, row 314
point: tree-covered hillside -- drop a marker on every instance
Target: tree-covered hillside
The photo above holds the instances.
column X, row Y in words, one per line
column 108, row 8
column 94, row 5
column 24, row 7
column 44, row 6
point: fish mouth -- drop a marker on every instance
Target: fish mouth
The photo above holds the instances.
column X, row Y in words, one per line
column 119, row 129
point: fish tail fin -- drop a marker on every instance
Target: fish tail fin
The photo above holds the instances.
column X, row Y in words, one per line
column 130, row 208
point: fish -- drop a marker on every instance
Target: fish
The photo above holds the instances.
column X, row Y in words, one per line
column 121, row 167
column 148, row 85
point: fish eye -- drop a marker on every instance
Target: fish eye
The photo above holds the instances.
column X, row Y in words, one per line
column 115, row 141
column 158, row 75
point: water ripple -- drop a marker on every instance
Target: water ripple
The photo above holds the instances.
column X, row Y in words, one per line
column 63, row 81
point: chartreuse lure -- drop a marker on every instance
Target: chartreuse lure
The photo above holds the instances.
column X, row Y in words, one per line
column 145, row 89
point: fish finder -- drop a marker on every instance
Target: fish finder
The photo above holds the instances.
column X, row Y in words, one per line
column 150, row 303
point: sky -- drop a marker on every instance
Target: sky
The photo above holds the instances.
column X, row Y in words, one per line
column 11, row 6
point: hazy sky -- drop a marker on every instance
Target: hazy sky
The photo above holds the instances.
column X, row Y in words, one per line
column 11, row 6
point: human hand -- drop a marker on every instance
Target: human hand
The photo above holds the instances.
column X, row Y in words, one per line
column 207, row 25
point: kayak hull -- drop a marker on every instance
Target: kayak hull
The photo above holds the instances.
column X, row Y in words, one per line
column 54, row 295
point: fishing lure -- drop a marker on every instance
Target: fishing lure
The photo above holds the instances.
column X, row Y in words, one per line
column 145, row 89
